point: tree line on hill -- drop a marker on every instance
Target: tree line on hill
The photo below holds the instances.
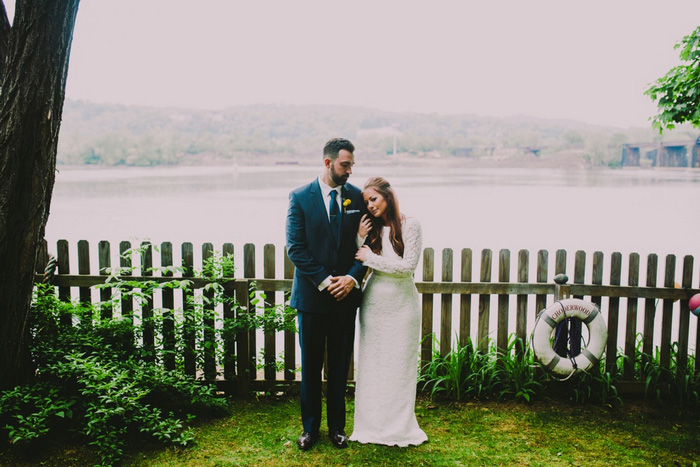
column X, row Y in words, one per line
column 113, row 135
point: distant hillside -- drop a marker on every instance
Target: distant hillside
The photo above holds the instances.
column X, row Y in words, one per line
column 106, row 134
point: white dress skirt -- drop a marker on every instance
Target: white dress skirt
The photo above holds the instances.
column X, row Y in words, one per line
column 389, row 334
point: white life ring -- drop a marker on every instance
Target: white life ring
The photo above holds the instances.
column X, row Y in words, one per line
column 546, row 323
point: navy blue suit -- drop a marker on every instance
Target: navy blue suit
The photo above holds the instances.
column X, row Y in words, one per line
column 324, row 322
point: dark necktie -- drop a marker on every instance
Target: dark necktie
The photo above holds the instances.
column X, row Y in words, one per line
column 335, row 215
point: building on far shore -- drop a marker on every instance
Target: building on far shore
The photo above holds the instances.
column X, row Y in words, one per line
column 669, row 154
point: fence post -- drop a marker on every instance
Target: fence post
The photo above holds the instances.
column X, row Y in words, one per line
column 632, row 310
column 84, row 269
column 208, row 321
column 484, row 302
column 667, row 316
column 542, row 272
column 521, row 302
column 580, row 269
column 249, row 273
column 126, row 300
column 147, row 320
column 503, row 301
column 684, row 318
column 465, row 300
column 613, row 311
column 446, row 305
column 289, row 336
column 189, row 326
column 229, row 320
column 270, row 302
column 427, row 309
column 649, row 312
column 63, row 267
column 566, row 326
column 104, row 263
column 242, row 341
column 168, row 297
column 597, row 275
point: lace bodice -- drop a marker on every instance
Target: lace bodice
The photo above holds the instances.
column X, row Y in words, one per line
column 391, row 263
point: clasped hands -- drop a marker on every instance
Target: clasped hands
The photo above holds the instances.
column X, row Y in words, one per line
column 341, row 286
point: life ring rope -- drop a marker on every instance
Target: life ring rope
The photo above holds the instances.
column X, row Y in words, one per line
column 574, row 364
column 550, row 367
column 591, row 352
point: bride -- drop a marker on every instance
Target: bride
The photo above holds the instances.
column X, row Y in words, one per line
column 387, row 366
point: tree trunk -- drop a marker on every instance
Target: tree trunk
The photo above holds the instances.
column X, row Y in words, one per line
column 36, row 49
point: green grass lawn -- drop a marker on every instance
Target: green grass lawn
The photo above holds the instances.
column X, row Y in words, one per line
column 263, row 433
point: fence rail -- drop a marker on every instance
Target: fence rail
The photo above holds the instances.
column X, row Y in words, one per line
column 486, row 311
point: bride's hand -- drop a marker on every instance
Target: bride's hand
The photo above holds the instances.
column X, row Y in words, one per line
column 363, row 253
column 365, row 226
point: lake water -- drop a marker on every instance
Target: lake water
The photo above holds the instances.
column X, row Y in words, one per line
column 643, row 211
column 640, row 211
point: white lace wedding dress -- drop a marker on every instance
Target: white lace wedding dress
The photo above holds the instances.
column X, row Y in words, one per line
column 387, row 365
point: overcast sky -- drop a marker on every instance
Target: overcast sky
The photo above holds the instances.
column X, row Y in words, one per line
column 583, row 60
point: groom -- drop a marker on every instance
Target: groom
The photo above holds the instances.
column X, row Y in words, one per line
column 322, row 224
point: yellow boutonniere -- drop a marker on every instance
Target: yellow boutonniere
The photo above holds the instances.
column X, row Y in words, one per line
column 346, row 203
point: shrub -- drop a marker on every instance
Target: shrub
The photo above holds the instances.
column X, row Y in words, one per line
column 89, row 385
column 94, row 380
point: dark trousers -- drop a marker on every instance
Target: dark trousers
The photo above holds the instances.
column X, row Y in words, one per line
column 336, row 329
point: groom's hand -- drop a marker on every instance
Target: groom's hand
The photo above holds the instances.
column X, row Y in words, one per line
column 341, row 286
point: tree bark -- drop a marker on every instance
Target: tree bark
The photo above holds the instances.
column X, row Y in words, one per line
column 34, row 66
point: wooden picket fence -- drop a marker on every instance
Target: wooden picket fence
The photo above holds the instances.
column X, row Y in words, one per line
column 485, row 309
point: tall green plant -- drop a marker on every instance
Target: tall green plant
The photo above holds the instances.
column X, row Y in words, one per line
column 461, row 373
column 513, row 373
column 519, row 375
column 676, row 385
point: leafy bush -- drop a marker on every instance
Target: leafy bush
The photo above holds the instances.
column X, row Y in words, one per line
column 204, row 308
column 88, row 384
column 95, row 380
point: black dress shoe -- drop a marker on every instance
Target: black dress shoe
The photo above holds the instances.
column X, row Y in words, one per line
column 307, row 440
column 338, row 439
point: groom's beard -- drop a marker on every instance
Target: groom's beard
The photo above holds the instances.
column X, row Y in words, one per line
column 338, row 179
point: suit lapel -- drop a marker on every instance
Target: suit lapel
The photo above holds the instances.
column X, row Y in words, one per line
column 345, row 194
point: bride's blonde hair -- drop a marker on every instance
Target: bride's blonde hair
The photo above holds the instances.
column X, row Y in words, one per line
column 393, row 216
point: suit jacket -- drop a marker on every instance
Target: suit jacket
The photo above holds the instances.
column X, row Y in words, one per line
column 313, row 251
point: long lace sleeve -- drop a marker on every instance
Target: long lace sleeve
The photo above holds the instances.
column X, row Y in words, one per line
column 413, row 243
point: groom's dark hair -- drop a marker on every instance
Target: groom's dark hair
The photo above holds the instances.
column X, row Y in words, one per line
column 334, row 146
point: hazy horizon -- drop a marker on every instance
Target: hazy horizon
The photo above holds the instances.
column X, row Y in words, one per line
column 587, row 62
